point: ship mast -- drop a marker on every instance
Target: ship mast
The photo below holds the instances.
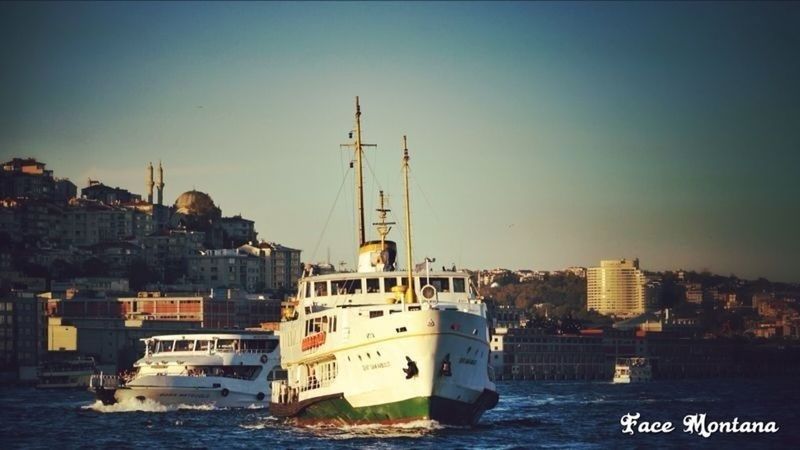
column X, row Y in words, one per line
column 358, row 146
column 382, row 225
column 410, row 297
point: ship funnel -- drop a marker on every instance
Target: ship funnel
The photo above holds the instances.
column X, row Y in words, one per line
column 376, row 257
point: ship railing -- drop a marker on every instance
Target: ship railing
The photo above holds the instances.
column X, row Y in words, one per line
column 284, row 394
column 313, row 382
column 101, row 381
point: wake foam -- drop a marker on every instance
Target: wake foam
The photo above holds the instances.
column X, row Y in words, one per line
column 416, row 428
column 148, row 405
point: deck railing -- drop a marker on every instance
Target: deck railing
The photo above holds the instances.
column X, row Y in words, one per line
column 100, row 381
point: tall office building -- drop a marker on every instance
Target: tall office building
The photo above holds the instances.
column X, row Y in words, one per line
column 616, row 287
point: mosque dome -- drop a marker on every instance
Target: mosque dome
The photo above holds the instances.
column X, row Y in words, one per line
column 196, row 203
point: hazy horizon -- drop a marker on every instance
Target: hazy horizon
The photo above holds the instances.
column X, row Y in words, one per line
column 542, row 135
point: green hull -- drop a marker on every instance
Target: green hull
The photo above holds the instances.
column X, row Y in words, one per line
column 338, row 410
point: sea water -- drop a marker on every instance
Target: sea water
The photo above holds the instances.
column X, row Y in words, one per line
column 531, row 414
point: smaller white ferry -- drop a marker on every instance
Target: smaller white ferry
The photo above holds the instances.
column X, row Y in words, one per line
column 632, row 370
column 219, row 369
column 66, row 373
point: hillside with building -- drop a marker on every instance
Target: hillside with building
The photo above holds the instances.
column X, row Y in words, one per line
column 90, row 271
column 558, row 325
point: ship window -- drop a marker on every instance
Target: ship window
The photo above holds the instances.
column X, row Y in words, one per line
column 342, row 287
column 321, row 288
column 307, row 289
column 260, row 345
column 373, row 285
column 183, row 346
column 389, row 283
column 202, row 346
column 441, row 284
column 164, row 346
column 278, row 374
column 459, row 285
column 332, row 324
column 318, row 324
column 226, row 345
column 373, row 314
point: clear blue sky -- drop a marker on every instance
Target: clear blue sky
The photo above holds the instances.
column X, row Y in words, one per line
column 543, row 135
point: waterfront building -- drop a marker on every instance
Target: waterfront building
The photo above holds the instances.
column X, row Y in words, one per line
column 109, row 329
column 496, row 350
column 114, row 343
column 231, row 310
column 103, row 285
column 530, row 353
column 506, row 316
column 22, row 336
column 617, row 287
column 662, row 321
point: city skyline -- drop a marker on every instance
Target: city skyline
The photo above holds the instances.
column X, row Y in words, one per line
column 541, row 135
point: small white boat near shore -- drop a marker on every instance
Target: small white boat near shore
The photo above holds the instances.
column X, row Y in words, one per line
column 220, row 369
column 632, row 370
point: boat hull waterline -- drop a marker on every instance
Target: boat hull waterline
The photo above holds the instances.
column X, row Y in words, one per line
column 374, row 387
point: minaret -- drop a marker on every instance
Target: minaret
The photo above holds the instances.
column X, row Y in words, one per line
column 149, row 183
column 160, row 185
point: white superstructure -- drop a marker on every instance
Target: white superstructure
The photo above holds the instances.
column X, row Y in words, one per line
column 229, row 369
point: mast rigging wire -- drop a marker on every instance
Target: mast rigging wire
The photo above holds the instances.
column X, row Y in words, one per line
column 330, row 214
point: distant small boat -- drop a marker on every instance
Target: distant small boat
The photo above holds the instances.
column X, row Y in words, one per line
column 231, row 369
column 632, row 370
column 66, row 373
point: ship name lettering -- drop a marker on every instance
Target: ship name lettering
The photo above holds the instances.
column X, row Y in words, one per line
column 379, row 365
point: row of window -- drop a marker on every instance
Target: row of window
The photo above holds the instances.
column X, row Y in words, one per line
column 377, row 285
column 319, row 324
column 186, row 345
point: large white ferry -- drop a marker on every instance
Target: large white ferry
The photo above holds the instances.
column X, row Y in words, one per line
column 381, row 345
column 229, row 369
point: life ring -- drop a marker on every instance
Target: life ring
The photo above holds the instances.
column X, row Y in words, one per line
column 264, row 359
column 429, row 293
column 225, row 392
column 260, row 396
